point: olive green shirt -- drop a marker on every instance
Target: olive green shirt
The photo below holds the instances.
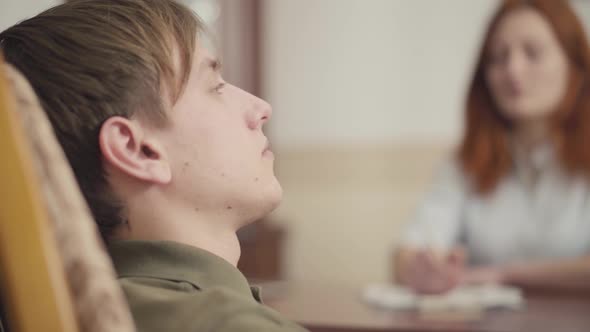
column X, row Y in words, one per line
column 178, row 288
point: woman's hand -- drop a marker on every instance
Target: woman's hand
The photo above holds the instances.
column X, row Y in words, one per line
column 483, row 275
column 430, row 272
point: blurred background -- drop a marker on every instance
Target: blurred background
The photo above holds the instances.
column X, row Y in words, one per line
column 368, row 100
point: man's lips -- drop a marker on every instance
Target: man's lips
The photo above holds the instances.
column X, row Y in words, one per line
column 267, row 150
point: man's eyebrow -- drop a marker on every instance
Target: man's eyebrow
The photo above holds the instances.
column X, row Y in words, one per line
column 213, row 64
column 210, row 63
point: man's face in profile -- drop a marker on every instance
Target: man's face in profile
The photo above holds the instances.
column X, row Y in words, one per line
column 219, row 156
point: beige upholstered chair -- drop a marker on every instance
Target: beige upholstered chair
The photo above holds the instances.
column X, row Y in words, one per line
column 54, row 272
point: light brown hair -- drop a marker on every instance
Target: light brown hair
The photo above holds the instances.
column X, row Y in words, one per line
column 484, row 152
column 89, row 60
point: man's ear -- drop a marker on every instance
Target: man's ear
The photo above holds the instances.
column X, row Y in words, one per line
column 126, row 147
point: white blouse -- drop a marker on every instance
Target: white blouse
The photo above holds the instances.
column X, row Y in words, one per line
column 536, row 212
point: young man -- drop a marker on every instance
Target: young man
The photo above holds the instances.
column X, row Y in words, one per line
column 171, row 159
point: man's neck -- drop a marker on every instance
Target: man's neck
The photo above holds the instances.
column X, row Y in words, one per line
column 203, row 231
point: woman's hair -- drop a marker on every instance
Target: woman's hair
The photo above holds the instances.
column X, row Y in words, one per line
column 484, row 153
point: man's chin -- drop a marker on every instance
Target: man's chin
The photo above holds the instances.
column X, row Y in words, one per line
column 269, row 202
column 272, row 200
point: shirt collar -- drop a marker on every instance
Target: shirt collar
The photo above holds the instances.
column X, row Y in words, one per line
column 177, row 262
column 536, row 161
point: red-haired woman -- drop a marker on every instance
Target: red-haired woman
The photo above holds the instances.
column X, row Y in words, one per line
column 513, row 206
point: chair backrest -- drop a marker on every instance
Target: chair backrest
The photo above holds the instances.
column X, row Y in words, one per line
column 55, row 273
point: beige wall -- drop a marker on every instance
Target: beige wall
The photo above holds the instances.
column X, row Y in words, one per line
column 368, row 99
column 13, row 11
column 356, row 71
column 343, row 206
column 583, row 10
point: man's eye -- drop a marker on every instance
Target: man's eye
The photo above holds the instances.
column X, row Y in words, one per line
column 219, row 87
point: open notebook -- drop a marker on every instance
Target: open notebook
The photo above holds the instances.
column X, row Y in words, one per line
column 464, row 298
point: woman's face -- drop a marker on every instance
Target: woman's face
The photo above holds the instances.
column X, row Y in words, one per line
column 527, row 70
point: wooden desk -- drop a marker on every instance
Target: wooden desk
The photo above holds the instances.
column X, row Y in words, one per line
column 340, row 308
